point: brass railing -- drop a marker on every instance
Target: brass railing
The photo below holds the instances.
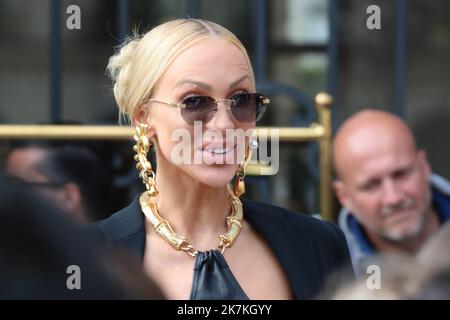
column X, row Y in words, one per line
column 320, row 132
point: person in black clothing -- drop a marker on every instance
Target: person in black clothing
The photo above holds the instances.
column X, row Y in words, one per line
column 191, row 75
column 45, row 255
column 73, row 174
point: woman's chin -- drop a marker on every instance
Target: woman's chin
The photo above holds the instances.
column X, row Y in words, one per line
column 215, row 176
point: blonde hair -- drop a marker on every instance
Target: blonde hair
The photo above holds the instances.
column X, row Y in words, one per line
column 139, row 63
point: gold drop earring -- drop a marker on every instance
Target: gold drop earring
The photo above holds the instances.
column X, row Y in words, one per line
column 142, row 148
column 239, row 184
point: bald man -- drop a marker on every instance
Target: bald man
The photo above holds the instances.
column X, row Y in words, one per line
column 391, row 201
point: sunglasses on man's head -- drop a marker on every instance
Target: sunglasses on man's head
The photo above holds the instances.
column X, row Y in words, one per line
column 245, row 107
column 15, row 181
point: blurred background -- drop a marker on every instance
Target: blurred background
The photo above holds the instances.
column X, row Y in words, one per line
column 50, row 74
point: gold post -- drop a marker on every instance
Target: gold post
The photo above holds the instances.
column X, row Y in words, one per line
column 323, row 105
column 66, row 132
column 287, row 134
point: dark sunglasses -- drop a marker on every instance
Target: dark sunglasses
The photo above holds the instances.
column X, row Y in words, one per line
column 245, row 107
column 27, row 184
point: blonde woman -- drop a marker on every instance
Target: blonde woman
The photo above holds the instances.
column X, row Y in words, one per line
column 197, row 239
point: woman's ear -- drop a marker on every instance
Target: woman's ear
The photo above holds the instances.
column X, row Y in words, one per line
column 142, row 116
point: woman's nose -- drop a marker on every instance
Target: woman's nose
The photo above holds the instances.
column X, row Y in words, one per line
column 223, row 118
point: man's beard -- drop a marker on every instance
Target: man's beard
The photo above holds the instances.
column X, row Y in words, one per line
column 398, row 235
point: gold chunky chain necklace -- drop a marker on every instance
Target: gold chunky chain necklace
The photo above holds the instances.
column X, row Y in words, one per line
column 179, row 242
column 150, row 209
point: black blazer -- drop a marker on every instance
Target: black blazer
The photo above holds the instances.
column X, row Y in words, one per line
column 308, row 249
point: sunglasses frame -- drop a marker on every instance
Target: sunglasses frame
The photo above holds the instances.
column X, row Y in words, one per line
column 31, row 184
column 264, row 99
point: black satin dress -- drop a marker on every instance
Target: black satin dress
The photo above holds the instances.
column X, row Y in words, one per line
column 213, row 279
column 307, row 249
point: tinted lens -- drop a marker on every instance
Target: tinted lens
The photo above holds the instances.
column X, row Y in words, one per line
column 198, row 108
column 249, row 107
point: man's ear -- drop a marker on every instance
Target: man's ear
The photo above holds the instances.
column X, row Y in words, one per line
column 72, row 196
column 73, row 202
column 341, row 194
column 424, row 161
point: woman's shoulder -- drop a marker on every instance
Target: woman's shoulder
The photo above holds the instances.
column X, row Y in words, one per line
column 278, row 215
column 282, row 226
column 296, row 238
column 122, row 224
column 125, row 228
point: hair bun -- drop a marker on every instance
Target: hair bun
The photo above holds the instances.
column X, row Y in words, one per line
column 118, row 70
